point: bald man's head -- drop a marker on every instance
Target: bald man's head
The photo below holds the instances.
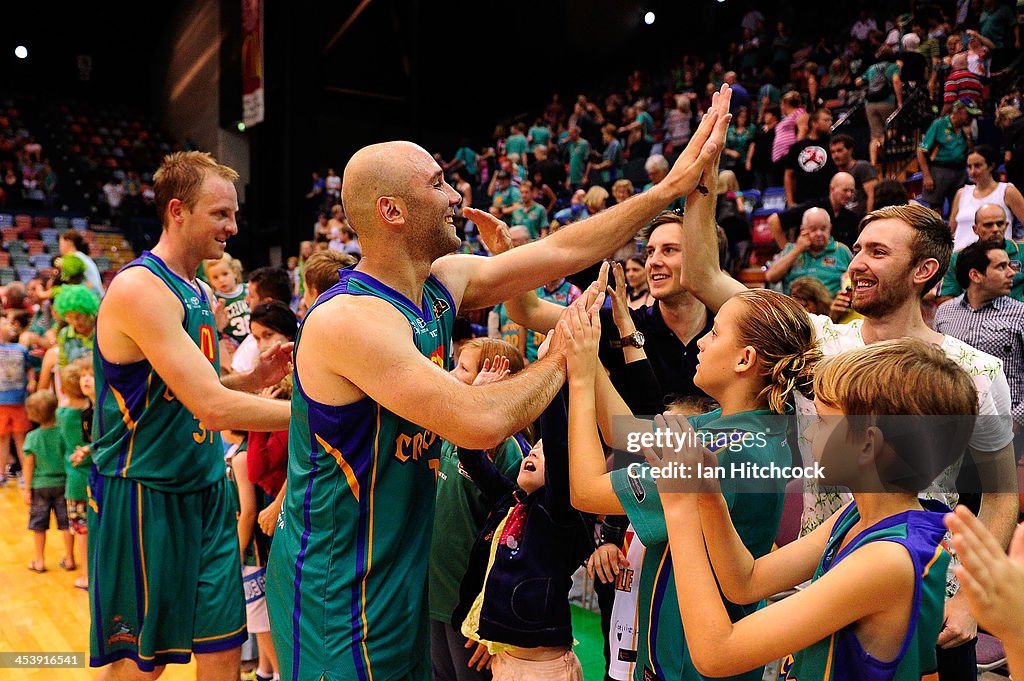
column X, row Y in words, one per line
column 990, row 222
column 842, row 189
column 817, row 225
column 396, row 190
column 959, row 61
column 520, row 235
column 375, row 171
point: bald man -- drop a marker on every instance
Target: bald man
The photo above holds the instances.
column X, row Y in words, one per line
column 989, row 225
column 373, row 400
column 815, row 254
column 841, row 191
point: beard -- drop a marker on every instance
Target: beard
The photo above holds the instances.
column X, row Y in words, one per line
column 888, row 297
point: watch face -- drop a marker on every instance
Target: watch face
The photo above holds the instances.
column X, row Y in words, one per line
column 638, row 339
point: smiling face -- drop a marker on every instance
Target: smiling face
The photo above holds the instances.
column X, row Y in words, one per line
column 665, row 261
column 531, row 471
column 882, row 269
column 211, row 222
column 431, row 204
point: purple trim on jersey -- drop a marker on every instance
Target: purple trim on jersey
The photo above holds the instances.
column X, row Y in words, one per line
column 657, row 601
column 307, row 528
column 867, row 667
column 362, row 542
column 235, row 641
column 96, row 491
column 159, row 660
column 132, row 382
column 524, row 446
column 198, row 288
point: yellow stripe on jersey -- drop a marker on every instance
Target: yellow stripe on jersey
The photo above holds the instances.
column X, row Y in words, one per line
column 831, row 656
column 938, row 552
column 350, row 475
column 125, row 416
column 142, row 561
column 369, row 543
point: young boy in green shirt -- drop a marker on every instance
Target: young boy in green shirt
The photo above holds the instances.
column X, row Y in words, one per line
column 44, row 478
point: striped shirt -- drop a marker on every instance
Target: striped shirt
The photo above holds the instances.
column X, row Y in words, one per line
column 997, row 327
column 962, row 84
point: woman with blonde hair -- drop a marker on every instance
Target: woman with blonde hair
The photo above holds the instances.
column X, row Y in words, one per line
column 732, row 218
column 760, row 350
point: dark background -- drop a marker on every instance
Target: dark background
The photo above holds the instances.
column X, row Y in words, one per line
column 433, row 72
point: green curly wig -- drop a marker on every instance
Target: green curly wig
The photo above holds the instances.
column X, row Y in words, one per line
column 76, row 298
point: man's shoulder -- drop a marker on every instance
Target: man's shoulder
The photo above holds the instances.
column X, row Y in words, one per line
column 976, row 363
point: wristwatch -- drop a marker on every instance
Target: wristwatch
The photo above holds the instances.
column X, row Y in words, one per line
column 633, row 340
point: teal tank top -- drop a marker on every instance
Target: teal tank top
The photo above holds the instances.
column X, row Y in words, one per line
column 141, row 430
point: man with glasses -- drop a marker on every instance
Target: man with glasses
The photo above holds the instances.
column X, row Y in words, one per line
column 990, row 225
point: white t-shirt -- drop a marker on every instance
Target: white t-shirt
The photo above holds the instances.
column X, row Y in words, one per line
column 246, row 356
column 624, row 625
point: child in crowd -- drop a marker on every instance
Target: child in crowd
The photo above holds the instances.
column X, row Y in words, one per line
column 891, row 417
column 17, row 379
column 271, row 324
column 44, row 479
column 77, row 306
column 514, row 596
column 320, row 272
column 232, row 309
column 254, row 548
column 460, row 513
column 76, row 468
column 760, row 349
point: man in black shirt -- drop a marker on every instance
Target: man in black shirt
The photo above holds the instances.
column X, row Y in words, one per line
column 809, row 164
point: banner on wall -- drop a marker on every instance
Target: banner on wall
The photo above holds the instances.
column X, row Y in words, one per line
column 252, row 62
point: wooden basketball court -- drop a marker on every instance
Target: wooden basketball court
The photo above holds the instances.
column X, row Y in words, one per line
column 44, row 612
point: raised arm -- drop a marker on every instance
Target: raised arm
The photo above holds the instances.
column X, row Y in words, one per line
column 478, row 282
column 700, row 273
column 590, row 485
column 157, row 336
column 427, row 394
column 868, row 581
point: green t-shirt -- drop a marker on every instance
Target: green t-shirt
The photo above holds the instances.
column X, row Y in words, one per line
column 951, row 143
column 890, row 70
column 237, row 310
column 69, row 423
column 646, row 125
column 516, row 144
column 539, row 135
column 534, row 218
column 661, row 645
column 579, row 154
column 827, row 267
column 509, row 196
column 47, row 446
column 460, row 511
column 950, row 287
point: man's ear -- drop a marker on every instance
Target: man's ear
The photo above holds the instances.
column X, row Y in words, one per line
column 391, row 210
column 176, row 210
